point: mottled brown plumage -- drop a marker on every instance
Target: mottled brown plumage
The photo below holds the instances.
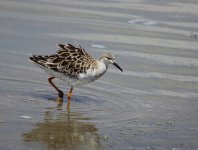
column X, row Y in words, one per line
column 69, row 60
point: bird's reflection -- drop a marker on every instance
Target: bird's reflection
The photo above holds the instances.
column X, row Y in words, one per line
column 65, row 130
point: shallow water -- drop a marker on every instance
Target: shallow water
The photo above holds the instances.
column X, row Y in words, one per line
column 151, row 105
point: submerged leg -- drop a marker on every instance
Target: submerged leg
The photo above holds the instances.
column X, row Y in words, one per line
column 69, row 97
column 60, row 93
column 70, row 93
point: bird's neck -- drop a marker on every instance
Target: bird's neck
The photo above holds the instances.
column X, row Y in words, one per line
column 102, row 67
column 102, row 60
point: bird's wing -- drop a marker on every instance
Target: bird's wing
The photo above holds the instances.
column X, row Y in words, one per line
column 69, row 60
column 70, row 52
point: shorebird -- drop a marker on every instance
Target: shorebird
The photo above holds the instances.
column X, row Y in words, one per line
column 73, row 65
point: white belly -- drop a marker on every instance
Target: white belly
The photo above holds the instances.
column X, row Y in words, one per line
column 90, row 75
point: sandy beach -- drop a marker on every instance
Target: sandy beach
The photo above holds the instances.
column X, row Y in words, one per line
column 152, row 105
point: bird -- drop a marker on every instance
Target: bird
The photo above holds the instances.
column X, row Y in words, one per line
column 73, row 65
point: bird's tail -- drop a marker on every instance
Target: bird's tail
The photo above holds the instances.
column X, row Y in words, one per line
column 38, row 59
column 31, row 57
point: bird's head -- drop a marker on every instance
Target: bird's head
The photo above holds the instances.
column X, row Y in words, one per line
column 108, row 58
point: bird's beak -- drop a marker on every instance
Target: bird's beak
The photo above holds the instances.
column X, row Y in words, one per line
column 115, row 64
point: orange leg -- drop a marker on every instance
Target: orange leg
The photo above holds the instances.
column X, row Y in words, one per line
column 60, row 93
column 69, row 97
column 70, row 93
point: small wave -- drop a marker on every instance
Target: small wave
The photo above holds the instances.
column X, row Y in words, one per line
column 185, row 94
column 21, row 80
column 142, row 22
column 20, row 67
column 25, row 117
column 158, row 75
column 159, row 92
column 98, row 46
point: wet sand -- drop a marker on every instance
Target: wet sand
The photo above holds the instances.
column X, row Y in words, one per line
column 153, row 104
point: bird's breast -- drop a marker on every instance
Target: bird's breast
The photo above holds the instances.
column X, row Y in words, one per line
column 92, row 74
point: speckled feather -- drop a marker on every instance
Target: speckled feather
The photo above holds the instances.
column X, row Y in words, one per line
column 69, row 60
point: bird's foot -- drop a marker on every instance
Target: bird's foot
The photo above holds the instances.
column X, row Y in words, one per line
column 59, row 99
column 59, row 102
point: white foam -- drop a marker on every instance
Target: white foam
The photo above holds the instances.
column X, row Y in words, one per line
column 25, row 117
column 98, row 46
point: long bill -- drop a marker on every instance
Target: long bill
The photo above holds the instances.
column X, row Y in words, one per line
column 115, row 64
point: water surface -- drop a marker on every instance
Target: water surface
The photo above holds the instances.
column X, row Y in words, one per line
column 151, row 105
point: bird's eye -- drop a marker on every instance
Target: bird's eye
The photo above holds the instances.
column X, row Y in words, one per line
column 108, row 58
